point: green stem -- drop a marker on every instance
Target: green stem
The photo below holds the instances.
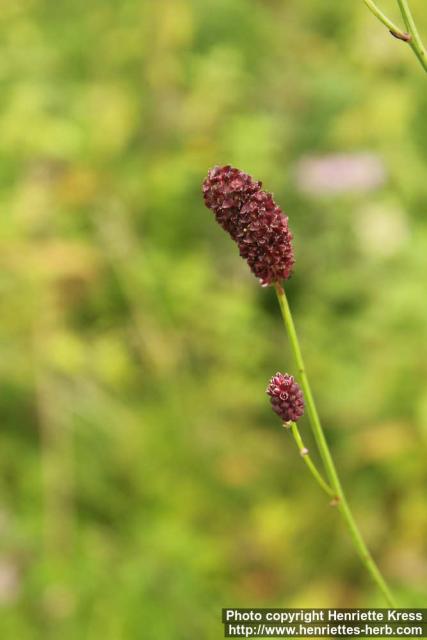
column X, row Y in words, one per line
column 394, row 29
column 308, row 461
column 325, row 453
column 415, row 43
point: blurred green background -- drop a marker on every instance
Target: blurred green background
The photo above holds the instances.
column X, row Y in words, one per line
column 145, row 482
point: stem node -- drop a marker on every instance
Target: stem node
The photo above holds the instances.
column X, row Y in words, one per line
column 401, row 35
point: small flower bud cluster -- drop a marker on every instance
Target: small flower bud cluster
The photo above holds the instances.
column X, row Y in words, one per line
column 286, row 396
column 253, row 220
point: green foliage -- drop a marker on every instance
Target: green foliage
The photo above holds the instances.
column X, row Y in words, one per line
column 144, row 481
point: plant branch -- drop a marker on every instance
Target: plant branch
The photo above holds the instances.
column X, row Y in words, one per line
column 308, row 461
column 394, row 29
column 411, row 36
column 325, row 453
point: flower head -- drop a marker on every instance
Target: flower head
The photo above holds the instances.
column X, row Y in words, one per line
column 253, row 220
column 286, row 397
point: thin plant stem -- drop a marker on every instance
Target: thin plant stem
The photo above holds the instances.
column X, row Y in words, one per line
column 308, row 461
column 325, row 453
column 415, row 43
column 394, row 29
column 411, row 36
